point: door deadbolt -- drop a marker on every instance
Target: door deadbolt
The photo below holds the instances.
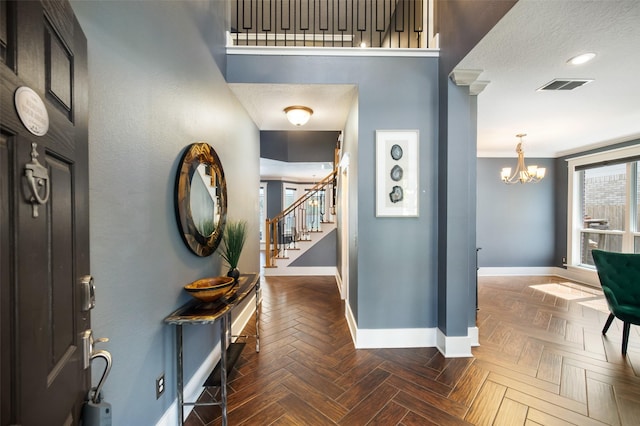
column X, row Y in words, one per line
column 88, row 293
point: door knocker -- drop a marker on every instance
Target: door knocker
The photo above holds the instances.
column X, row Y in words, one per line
column 37, row 177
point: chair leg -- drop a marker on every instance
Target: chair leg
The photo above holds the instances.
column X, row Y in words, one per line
column 625, row 337
column 608, row 323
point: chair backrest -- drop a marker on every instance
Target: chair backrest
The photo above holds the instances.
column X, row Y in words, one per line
column 619, row 275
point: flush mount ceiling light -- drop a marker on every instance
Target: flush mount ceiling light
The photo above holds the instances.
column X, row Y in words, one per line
column 581, row 59
column 523, row 174
column 298, row 115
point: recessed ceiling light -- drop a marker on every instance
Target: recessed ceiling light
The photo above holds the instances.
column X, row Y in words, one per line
column 581, row 59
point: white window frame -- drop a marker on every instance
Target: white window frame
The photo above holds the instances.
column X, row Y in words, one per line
column 288, row 225
column 288, row 187
column 574, row 209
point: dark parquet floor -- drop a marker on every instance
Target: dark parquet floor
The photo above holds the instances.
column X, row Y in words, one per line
column 542, row 360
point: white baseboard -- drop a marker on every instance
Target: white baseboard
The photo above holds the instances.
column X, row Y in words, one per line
column 454, row 346
column 577, row 274
column 517, row 271
column 451, row 347
column 395, row 338
column 241, row 320
column 300, row 271
column 193, row 388
column 581, row 275
column 339, row 284
column 351, row 322
column 474, row 336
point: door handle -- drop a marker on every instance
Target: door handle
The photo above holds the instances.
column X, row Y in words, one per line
column 90, row 354
column 88, row 343
column 96, row 397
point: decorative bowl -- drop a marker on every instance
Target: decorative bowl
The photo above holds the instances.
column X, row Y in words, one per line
column 210, row 289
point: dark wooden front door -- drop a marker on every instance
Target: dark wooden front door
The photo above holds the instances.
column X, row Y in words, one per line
column 43, row 257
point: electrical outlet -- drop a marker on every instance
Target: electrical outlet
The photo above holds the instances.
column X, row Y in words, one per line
column 159, row 386
column 564, row 260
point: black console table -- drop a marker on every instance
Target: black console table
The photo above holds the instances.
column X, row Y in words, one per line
column 195, row 312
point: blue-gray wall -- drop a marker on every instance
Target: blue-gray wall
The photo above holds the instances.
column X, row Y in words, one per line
column 456, row 209
column 323, row 253
column 393, row 93
column 298, row 146
column 274, row 197
column 154, row 88
column 516, row 224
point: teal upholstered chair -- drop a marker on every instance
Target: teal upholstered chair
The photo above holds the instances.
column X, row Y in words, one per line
column 620, row 279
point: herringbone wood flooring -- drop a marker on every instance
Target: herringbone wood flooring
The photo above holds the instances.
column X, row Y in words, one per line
column 542, row 361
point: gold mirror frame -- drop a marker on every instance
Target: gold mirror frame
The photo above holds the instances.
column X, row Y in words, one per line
column 197, row 154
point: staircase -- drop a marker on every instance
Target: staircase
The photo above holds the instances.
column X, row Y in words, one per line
column 301, row 240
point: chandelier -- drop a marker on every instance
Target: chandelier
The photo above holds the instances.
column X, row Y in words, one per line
column 523, row 174
column 298, row 115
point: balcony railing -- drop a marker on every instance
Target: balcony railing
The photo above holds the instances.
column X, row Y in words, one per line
column 331, row 23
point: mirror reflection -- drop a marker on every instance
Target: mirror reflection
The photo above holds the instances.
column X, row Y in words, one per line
column 201, row 199
column 204, row 200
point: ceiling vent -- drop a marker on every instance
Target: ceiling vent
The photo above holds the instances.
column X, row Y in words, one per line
column 564, row 84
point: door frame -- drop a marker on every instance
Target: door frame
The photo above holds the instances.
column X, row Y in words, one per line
column 344, row 227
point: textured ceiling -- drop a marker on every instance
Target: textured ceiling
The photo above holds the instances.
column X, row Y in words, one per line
column 265, row 103
column 529, row 47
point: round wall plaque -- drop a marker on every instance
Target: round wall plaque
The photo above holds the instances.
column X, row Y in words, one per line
column 32, row 111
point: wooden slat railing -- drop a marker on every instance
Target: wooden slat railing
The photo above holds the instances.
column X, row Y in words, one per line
column 296, row 222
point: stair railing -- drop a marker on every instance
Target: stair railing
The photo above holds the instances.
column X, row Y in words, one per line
column 299, row 220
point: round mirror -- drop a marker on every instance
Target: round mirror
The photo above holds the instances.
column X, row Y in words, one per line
column 201, row 198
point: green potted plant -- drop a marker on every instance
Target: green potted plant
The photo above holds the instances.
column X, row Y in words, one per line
column 233, row 239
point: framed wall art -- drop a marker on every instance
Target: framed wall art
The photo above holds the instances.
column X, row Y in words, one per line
column 396, row 173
